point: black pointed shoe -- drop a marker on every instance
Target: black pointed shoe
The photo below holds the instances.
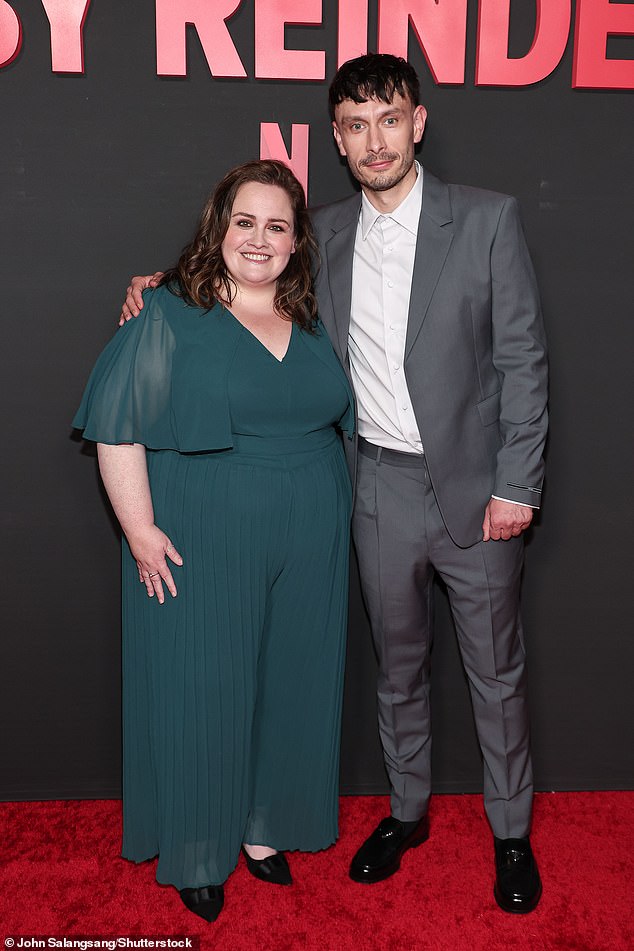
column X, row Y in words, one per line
column 518, row 887
column 273, row 869
column 205, row 902
column 380, row 855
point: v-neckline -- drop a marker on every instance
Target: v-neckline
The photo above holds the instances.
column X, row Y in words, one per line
column 279, row 360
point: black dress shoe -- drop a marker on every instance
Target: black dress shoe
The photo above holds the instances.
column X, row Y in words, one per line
column 273, row 869
column 206, row 902
column 518, row 887
column 380, row 855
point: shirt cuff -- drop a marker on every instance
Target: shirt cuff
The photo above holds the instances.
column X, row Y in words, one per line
column 515, row 502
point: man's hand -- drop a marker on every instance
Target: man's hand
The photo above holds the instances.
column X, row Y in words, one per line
column 504, row 519
column 134, row 301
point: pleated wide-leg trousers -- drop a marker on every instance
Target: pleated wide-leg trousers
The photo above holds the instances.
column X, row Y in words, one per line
column 232, row 690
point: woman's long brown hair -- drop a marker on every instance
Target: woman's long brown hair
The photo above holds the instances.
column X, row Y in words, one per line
column 201, row 275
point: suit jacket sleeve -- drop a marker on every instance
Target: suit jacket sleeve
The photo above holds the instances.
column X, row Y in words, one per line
column 519, row 356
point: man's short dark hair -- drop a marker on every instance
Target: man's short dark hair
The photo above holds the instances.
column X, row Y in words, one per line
column 374, row 76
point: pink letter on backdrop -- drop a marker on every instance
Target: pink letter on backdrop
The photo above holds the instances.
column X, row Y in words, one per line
column 272, row 147
column 440, row 27
column 208, row 16
column 272, row 60
column 493, row 66
column 10, row 34
column 596, row 20
column 353, row 30
column 66, row 18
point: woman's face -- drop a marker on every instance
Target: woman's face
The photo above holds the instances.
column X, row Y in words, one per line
column 261, row 235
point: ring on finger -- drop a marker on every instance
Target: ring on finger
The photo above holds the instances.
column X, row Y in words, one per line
column 153, row 574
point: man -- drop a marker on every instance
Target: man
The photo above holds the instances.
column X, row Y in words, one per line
column 429, row 297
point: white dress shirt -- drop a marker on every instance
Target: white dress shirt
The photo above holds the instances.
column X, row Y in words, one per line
column 384, row 250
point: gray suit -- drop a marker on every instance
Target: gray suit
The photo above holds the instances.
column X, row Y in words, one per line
column 475, row 364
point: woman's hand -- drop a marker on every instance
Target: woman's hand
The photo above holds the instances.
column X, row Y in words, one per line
column 123, row 469
column 150, row 548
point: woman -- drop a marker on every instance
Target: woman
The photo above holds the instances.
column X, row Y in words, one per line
column 216, row 416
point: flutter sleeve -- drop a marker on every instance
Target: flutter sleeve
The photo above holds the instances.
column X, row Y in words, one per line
column 128, row 396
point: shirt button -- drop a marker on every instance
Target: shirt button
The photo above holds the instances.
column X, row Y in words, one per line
column 396, row 366
column 390, row 283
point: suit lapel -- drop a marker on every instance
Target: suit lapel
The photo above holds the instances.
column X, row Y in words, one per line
column 435, row 234
column 339, row 259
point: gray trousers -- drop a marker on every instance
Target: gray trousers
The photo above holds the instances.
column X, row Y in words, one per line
column 401, row 542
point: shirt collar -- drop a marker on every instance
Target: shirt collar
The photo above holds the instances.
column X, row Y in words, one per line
column 406, row 214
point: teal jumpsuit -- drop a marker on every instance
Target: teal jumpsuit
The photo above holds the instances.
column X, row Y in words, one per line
column 232, row 690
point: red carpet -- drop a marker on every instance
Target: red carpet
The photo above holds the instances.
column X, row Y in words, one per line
column 60, row 875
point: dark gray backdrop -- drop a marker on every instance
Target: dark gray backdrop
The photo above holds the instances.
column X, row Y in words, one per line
column 102, row 176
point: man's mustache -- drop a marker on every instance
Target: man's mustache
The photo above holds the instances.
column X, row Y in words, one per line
column 384, row 157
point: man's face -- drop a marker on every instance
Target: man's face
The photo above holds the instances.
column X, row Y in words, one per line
column 378, row 139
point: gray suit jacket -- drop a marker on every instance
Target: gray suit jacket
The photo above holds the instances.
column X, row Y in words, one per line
column 475, row 355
